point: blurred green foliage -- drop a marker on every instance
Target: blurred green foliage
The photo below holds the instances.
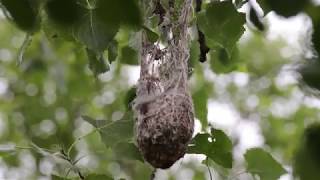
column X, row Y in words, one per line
column 262, row 163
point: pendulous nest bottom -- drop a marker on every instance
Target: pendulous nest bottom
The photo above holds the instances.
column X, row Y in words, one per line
column 164, row 128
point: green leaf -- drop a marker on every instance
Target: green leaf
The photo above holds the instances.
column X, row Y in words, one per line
column 63, row 12
column 222, row 25
column 23, row 12
column 217, row 146
column 316, row 37
column 86, row 27
column 93, row 32
column 260, row 162
column 309, row 74
column 115, row 13
column 114, row 132
column 307, row 158
column 129, row 56
column 151, row 35
column 97, row 36
column 127, row 151
column 194, row 57
column 313, row 11
column 97, row 62
column 200, row 102
column 98, row 177
column 130, row 96
column 112, row 51
column 81, row 22
column 264, row 6
column 222, row 62
column 286, row 8
column 153, row 21
column 194, row 53
column 56, row 32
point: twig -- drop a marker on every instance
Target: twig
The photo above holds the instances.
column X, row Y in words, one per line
column 23, row 147
column 6, row 13
column 79, row 139
column 63, row 155
column 84, row 136
column 74, row 167
column 237, row 174
column 207, row 164
column 26, row 42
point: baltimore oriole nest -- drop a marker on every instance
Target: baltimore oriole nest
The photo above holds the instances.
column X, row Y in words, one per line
column 163, row 106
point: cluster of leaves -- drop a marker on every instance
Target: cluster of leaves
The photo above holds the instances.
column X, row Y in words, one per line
column 223, row 26
column 92, row 23
column 306, row 165
column 287, row 8
column 227, row 23
column 218, row 148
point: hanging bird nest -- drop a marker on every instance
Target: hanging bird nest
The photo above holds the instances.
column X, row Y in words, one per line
column 163, row 106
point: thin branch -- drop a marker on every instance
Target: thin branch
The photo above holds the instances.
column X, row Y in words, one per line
column 84, row 136
column 6, row 13
column 23, row 147
column 209, row 170
column 26, row 42
column 62, row 154
column 79, row 159
column 88, row 4
column 68, row 172
column 79, row 139
column 237, row 174
column 71, row 162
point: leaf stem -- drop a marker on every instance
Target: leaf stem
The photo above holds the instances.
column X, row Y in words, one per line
column 26, row 42
column 5, row 13
column 84, row 136
column 22, row 147
column 79, row 139
column 237, row 174
column 89, row 5
column 207, row 164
